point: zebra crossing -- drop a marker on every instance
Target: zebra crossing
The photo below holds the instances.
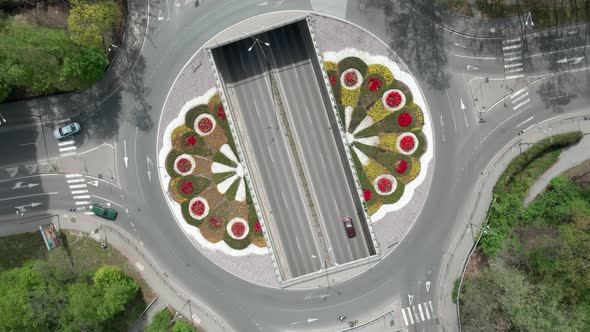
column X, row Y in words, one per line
column 418, row 313
column 79, row 190
column 520, row 98
column 513, row 58
column 67, row 148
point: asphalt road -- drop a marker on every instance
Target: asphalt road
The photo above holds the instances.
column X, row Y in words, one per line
column 463, row 146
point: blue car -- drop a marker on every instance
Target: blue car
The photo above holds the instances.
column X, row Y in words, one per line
column 67, row 131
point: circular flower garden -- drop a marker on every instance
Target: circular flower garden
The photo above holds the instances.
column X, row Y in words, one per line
column 383, row 127
column 207, row 179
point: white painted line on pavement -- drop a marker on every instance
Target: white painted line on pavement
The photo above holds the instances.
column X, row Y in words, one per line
column 430, row 305
column 83, row 203
column 108, row 200
column 475, row 57
column 513, row 53
column 66, row 143
column 421, row 313
column 76, row 180
column 67, row 148
column 82, row 197
column 511, row 47
column 518, row 92
column 270, row 154
column 73, row 175
column 513, row 65
column 558, row 51
column 284, row 200
column 514, row 76
column 17, row 197
column 63, row 120
column 139, row 266
column 68, row 154
column 404, row 316
column 410, row 314
column 525, row 121
column 415, row 314
column 513, row 58
column 76, row 192
column 88, row 213
column 514, row 70
column 519, row 98
column 23, row 144
column 521, row 104
column 76, row 186
column 508, row 41
column 427, row 311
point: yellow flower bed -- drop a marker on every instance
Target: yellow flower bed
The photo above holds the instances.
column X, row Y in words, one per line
column 214, row 101
column 417, row 112
column 381, row 70
column 351, row 97
column 374, row 206
column 177, row 134
column 373, row 169
column 328, row 65
column 378, row 112
column 388, row 141
column 412, row 172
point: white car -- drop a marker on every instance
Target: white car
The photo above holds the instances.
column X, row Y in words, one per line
column 67, row 130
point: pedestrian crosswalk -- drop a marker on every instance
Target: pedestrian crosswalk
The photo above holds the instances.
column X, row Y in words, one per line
column 67, row 148
column 78, row 188
column 418, row 313
column 519, row 99
column 513, row 58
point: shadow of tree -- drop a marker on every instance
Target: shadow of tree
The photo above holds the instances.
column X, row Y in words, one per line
column 135, row 85
column 555, row 92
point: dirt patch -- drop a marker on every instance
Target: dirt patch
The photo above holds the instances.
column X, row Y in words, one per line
column 53, row 16
column 533, row 237
column 580, row 174
column 477, row 263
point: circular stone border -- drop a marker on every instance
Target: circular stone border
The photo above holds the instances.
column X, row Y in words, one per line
column 399, row 139
column 203, row 116
column 235, row 221
column 190, row 205
column 398, row 107
column 191, row 159
column 359, row 81
column 388, row 177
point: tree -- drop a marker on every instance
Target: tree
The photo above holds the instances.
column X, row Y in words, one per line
column 87, row 66
column 182, row 326
column 90, row 22
column 117, row 290
column 82, row 311
column 160, row 322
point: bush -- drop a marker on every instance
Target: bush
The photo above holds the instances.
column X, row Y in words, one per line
column 381, row 70
column 350, row 97
column 352, row 62
column 169, row 164
column 184, row 206
column 160, row 322
column 200, row 183
column 236, row 244
column 182, row 326
column 90, row 23
column 368, row 97
column 191, row 115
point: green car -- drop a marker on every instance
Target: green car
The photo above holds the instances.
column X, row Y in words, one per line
column 104, row 212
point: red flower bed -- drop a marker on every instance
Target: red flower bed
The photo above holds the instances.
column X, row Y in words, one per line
column 205, row 125
column 393, row 99
column 374, row 84
column 187, row 187
column 190, row 141
column 350, row 78
column 198, row 208
column 367, row 195
column 257, row 227
column 384, row 185
column 404, row 119
column 401, row 166
column 221, row 112
column 332, row 78
column 183, row 165
column 238, row 229
column 407, row 143
column 215, row 222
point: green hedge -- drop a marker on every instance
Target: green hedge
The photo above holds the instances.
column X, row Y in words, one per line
column 191, row 115
column 368, row 132
column 368, row 97
column 219, row 177
column 200, row 183
column 169, row 164
column 231, row 192
column 404, row 88
column 352, row 62
column 187, row 216
column 200, row 148
column 236, row 244
column 222, row 159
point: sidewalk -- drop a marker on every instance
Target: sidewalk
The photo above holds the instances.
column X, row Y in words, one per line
column 475, row 211
column 169, row 294
column 72, row 103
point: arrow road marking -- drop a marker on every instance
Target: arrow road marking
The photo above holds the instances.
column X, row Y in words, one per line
column 125, row 159
column 470, row 68
column 22, row 207
column 19, row 185
column 574, row 61
column 94, row 183
column 457, row 44
column 410, row 298
column 462, row 105
column 149, row 171
column 309, row 320
column 427, row 286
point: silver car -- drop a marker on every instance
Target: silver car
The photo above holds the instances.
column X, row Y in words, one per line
column 67, row 130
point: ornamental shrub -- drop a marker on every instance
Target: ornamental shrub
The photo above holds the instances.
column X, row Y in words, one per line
column 330, row 66
column 381, row 70
column 368, row 97
column 412, row 172
column 353, row 62
column 378, row 112
column 350, row 97
column 214, row 102
column 90, row 23
column 374, row 169
column 236, row 244
column 169, row 164
column 388, row 141
column 191, row 115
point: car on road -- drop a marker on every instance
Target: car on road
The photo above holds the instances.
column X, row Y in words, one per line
column 104, row 212
column 349, row 227
column 67, row 130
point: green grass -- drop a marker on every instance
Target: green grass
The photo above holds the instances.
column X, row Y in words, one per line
column 15, row 250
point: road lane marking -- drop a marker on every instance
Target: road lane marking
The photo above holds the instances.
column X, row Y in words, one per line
column 427, row 312
column 513, row 65
column 511, row 47
column 139, row 266
column 514, row 76
column 83, row 203
column 68, row 148
column 108, row 200
column 509, row 41
column 284, row 200
column 475, row 57
column 76, row 186
column 270, row 154
column 421, row 313
column 430, row 305
column 511, row 53
column 515, row 100
column 415, row 313
column 23, row 144
column 17, row 197
column 82, row 197
column 88, row 213
column 518, row 92
column 68, row 154
column 76, row 180
column 404, row 316
column 76, row 192
column 451, row 108
column 514, row 70
column 521, row 104
column 66, row 143
column 525, row 121
column 73, row 175
column 410, row 314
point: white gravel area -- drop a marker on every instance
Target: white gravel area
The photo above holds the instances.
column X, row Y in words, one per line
column 337, row 40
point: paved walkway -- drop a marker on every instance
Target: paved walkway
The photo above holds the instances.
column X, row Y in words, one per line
column 474, row 212
column 569, row 158
column 169, row 294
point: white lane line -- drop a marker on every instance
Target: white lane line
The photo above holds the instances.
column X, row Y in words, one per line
column 284, row 200
column 24, row 144
column 68, row 154
column 139, row 266
column 474, row 57
column 415, row 313
column 17, row 197
column 88, row 213
column 82, row 197
column 519, row 98
column 270, row 154
column 521, row 104
column 68, row 148
column 337, row 209
column 452, row 112
column 76, row 186
column 508, row 41
column 513, row 65
column 514, row 76
column 514, row 70
column 512, row 53
column 66, row 143
column 511, row 47
column 322, row 159
column 76, row 192
column 427, row 311
column 73, row 175
column 513, row 58
column 108, row 200
column 559, row 51
column 430, row 305
column 76, row 180
column 421, row 313
column 404, row 316
column 518, row 92
column 525, row 121
column 83, row 203
column 256, row 107
column 410, row 314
